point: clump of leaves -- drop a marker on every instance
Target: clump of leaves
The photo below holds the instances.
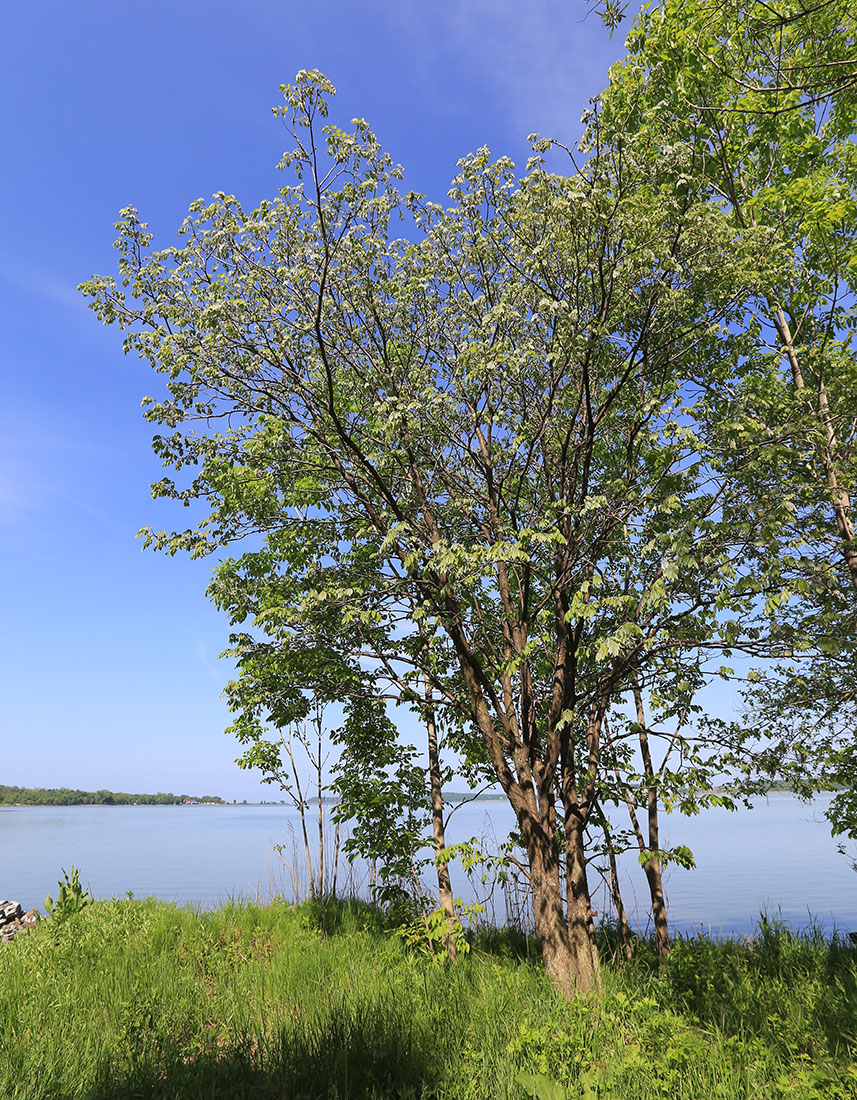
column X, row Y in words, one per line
column 71, row 899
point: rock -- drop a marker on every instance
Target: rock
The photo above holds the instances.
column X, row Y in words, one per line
column 19, row 921
column 9, row 911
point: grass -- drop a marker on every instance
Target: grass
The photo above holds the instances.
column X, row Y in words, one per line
column 140, row 999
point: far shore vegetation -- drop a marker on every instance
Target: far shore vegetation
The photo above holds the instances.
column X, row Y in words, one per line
column 63, row 796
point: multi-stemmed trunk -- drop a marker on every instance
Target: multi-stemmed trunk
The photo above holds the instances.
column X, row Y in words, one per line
column 581, row 925
column 567, row 951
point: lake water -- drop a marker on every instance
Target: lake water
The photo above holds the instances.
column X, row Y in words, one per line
column 779, row 857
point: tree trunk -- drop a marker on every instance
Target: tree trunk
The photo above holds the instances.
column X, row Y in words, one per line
column 301, row 805
column 570, row 969
column 827, row 450
column 652, row 866
column 444, row 886
column 624, row 935
column 581, row 927
column 654, row 877
column 548, row 918
column 335, row 857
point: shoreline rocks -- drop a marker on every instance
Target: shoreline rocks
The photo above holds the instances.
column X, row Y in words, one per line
column 13, row 920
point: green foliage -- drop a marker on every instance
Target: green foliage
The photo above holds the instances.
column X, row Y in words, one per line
column 425, row 930
column 72, row 899
column 318, row 1000
column 542, row 1087
column 382, row 790
column 62, row 796
column 610, row 12
column 767, row 115
column 567, row 437
column 792, row 991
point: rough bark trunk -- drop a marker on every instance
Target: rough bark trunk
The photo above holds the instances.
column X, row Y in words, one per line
column 581, row 926
column 548, row 917
column 654, row 877
column 569, row 970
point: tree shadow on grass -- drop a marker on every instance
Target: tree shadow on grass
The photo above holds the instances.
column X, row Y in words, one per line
column 359, row 1056
column 507, row 942
column 334, row 916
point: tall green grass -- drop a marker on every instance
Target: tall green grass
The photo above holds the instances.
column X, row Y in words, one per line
column 140, row 999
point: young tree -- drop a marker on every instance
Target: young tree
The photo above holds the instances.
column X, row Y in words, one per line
column 450, row 444
column 378, row 784
column 283, row 761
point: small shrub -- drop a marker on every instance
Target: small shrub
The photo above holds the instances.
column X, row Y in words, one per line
column 71, row 899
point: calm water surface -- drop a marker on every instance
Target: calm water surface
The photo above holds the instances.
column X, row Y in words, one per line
column 779, row 857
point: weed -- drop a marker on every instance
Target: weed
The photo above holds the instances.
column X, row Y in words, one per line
column 71, row 899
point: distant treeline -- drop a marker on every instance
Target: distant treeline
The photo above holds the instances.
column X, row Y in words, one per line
column 62, row 796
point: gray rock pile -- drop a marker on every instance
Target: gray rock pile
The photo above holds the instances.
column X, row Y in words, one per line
column 13, row 919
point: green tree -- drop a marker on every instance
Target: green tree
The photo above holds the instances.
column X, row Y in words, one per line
column 476, row 460
column 300, row 744
column 279, row 670
column 768, row 114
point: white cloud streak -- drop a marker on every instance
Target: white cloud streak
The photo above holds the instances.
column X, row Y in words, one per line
column 42, row 284
column 540, row 60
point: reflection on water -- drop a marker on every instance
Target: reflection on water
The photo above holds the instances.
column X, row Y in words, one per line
column 779, row 857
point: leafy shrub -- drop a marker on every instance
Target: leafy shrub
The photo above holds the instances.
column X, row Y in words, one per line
column 71, row 899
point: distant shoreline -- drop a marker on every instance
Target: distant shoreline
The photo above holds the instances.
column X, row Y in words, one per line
column 66, row 796
column 60, row 797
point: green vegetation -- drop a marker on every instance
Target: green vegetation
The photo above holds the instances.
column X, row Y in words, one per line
column 138, row 998
column 62, row 796
column 557, row 449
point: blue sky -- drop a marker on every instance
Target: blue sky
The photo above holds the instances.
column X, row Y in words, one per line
column 110, row 675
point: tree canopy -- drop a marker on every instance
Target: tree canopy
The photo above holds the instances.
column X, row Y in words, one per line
column 770, row 115
column 529, row 448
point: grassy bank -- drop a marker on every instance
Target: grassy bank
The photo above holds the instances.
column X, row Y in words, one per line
column 139, row 999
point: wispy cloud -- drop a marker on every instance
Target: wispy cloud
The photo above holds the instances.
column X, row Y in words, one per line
column 204, row 658
column 44, row 466
column 40, row 283
column 17, row 490
column 543, row 58
column 539, row 61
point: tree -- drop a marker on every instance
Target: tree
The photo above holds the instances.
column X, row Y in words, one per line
column 379, row 786
column 770, row 115
column 476, row 460
column 299, row 743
